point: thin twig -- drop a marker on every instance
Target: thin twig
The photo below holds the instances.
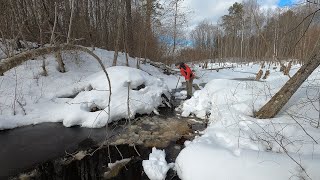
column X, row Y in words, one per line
column 134, row 146
column 302, row 128
column 118, row 151
column 21, row 106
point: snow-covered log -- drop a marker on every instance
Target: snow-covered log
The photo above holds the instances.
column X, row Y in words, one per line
column 9, row 63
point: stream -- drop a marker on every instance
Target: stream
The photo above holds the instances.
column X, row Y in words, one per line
column 24, row 147
column 52, row 151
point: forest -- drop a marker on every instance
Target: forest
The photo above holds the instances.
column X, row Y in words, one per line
column 158, row 29
column 155, row 89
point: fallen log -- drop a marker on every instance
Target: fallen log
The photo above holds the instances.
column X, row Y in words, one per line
column 16, row 60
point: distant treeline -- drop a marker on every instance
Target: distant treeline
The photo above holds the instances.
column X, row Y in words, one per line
column 248, row 32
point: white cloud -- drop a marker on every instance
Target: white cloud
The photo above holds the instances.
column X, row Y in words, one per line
column 267, row 4
column 212, row 10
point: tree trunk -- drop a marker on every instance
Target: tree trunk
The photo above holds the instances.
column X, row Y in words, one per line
column 125, row 48
column 52, row 38
column 175, row 28
column 117, row 42
column 61, row 67
column 148, row 15
column 276, row 103
column 129, row 39
column 70, row 23
column 138, row 63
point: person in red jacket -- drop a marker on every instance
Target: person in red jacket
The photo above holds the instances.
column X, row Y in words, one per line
column 188, row 75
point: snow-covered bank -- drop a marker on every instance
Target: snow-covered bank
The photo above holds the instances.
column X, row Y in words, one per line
column 79, row 96
column 237, row 146
column 86, row 103
column 210, row 161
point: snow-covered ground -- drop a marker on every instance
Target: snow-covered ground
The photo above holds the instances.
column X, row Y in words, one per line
column 237, row 146
column 234, row 146
column 81, row 95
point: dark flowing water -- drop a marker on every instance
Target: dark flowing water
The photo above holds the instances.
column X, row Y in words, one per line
column 24, row 147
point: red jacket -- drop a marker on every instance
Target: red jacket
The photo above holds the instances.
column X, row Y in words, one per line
column 186, row 71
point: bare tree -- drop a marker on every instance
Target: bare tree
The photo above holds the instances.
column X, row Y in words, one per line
column 119, row 25
column 129, row 29
column 70, row 24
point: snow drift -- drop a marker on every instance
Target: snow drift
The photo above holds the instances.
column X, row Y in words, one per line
column 237, row 146
column 86, row 103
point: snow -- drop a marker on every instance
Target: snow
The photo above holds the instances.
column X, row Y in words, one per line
column 156, row 167
column 237, row 146
column 77, row 110
column 209, row 161
column 81, row 95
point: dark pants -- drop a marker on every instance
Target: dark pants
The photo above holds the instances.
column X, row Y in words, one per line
column 189, row 87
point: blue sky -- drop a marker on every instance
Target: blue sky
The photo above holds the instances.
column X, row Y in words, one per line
column 283, row 3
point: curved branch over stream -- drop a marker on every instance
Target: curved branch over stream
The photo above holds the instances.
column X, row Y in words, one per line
column 9, row 63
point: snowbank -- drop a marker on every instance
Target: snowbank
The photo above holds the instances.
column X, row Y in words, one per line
column 237, row 146
column 86, row 102
column 210, row 161
column 78, row 111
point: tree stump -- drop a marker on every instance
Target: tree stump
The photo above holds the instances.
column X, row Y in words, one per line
column 259, row 75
